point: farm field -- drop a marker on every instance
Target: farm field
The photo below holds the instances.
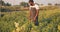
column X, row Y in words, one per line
column 49, row 21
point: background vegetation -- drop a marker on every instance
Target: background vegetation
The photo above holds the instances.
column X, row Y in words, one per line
column 49, row 19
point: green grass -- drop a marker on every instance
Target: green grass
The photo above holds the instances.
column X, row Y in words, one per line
column 48, row 21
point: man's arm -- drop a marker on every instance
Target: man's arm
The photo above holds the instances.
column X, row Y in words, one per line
column 37, row 12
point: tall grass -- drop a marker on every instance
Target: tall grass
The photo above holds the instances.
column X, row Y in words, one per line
column 48, row 21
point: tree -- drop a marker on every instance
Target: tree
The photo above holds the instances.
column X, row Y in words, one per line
column 2, row 2
column 57, row 4
column 7, row 4
column 49, row 4
column 41, row 4
column 24, row 4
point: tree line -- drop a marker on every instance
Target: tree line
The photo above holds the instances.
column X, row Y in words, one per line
column 4, row 4
column 23, row 4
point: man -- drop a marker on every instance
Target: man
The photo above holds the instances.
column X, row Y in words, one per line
column 34, row 10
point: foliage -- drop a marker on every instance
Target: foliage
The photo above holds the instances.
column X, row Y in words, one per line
column 4, row 4
column 48, row 21
column 24, row 4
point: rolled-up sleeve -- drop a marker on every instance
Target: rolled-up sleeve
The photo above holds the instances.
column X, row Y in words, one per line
column 36, row 6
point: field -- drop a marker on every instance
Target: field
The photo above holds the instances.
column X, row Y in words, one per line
column 49, row 21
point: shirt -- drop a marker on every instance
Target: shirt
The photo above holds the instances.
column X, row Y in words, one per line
column 33, row 10
column 35, row 6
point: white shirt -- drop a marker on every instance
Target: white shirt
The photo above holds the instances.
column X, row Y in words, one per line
column 35, row 6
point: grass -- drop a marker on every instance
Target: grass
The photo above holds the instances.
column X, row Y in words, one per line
column 49, row 21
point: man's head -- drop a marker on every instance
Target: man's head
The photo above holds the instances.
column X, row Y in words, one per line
column 31, row 2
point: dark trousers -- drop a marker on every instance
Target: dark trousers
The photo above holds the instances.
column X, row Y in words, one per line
column 36, row 21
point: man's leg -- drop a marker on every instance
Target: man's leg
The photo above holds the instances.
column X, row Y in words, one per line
column 36, row 21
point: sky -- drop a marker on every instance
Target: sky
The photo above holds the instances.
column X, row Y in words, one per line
column 45, row 2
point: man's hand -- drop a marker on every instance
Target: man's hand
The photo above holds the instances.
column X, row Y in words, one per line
column 37, row 11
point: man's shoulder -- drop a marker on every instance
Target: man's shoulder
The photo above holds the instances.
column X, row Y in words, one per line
column 36, row 6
